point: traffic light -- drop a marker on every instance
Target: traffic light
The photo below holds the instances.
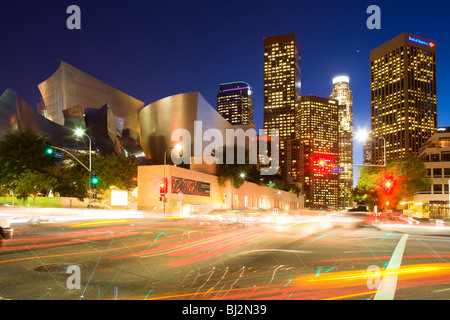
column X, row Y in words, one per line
column 163, row 188
column 388, row 186
column 49, row 150
column 323, row 165
column 94, row 180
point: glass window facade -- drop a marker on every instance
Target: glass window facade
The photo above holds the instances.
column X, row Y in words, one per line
column 403, row 97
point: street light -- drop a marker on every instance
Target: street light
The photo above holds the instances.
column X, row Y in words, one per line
column 79, row 133
column 240, row 175
column 178, row 148
column 362, row 136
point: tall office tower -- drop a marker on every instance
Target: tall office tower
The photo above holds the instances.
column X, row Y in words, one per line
column 342, row 93
column 235, row 103
column 319, row 136
column 282, row 92
column 403, row 96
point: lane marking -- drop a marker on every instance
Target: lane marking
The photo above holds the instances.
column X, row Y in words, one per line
column 388, row 285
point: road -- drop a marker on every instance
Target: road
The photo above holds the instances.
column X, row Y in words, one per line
column 147, row 256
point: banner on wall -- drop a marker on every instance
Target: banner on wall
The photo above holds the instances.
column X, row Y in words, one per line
column 190, row 187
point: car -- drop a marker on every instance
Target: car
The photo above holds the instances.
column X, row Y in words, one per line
column 6, row 232
column 2, row 204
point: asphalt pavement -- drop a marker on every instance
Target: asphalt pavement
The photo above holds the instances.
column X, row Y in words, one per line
column 118, row 255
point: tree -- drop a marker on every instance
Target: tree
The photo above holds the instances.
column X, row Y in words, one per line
column 111, row 169
column 232, row 171
column 72, row 180
column 23, row 150
column 406, row 176
column 19, row 152
column 227, row 172
column 32, row 183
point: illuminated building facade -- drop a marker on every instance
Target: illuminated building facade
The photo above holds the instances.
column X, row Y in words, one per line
column 282, row 91
column 434, row 202
column 319, row 151
column 342, row 93
column 403, row 96
column 235, row 103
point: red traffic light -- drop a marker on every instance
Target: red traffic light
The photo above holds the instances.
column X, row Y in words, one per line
column 322, row 164
column 388, row 186
column 163, row 187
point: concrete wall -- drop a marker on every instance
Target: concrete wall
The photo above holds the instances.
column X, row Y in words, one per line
column 248, row 195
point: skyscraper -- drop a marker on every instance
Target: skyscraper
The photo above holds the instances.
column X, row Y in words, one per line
column 319, row 151
column 342, row 93
column 235, row 103
column 403, row 96
column 282, row 91
column 281, row 83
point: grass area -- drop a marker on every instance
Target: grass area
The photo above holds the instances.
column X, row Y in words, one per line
column 41, row 202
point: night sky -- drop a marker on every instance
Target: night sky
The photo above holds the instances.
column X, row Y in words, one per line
column 153, row 49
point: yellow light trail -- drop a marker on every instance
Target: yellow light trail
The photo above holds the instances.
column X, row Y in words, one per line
column 94, row 223
column 352, row 295
column 412, row 271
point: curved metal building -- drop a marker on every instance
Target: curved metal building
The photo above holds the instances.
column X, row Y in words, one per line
column 160, row 119
column 69, row 87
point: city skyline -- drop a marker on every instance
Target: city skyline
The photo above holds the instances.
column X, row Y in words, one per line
column 215, row 153
column 158, row 68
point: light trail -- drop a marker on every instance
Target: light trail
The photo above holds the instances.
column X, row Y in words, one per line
column 96, row 223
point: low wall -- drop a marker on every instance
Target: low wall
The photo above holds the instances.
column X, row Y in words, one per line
column 47, row 202
column 219, row 197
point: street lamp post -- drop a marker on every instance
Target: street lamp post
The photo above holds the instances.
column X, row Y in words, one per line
column 178, row 147
column 80, row 133
column 242, row 176
column 364, row 135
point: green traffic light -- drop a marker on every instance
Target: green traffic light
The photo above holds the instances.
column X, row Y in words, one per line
column 94, row 180
column 49, row 150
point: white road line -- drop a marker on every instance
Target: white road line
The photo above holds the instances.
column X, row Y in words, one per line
column 388, row 285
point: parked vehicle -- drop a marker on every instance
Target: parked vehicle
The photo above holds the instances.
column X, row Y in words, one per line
column 6, row 232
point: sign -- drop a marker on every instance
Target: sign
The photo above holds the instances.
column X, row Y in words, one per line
column 58, row 155
column 190, row 187
column 338, row 169
column 430, row 44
